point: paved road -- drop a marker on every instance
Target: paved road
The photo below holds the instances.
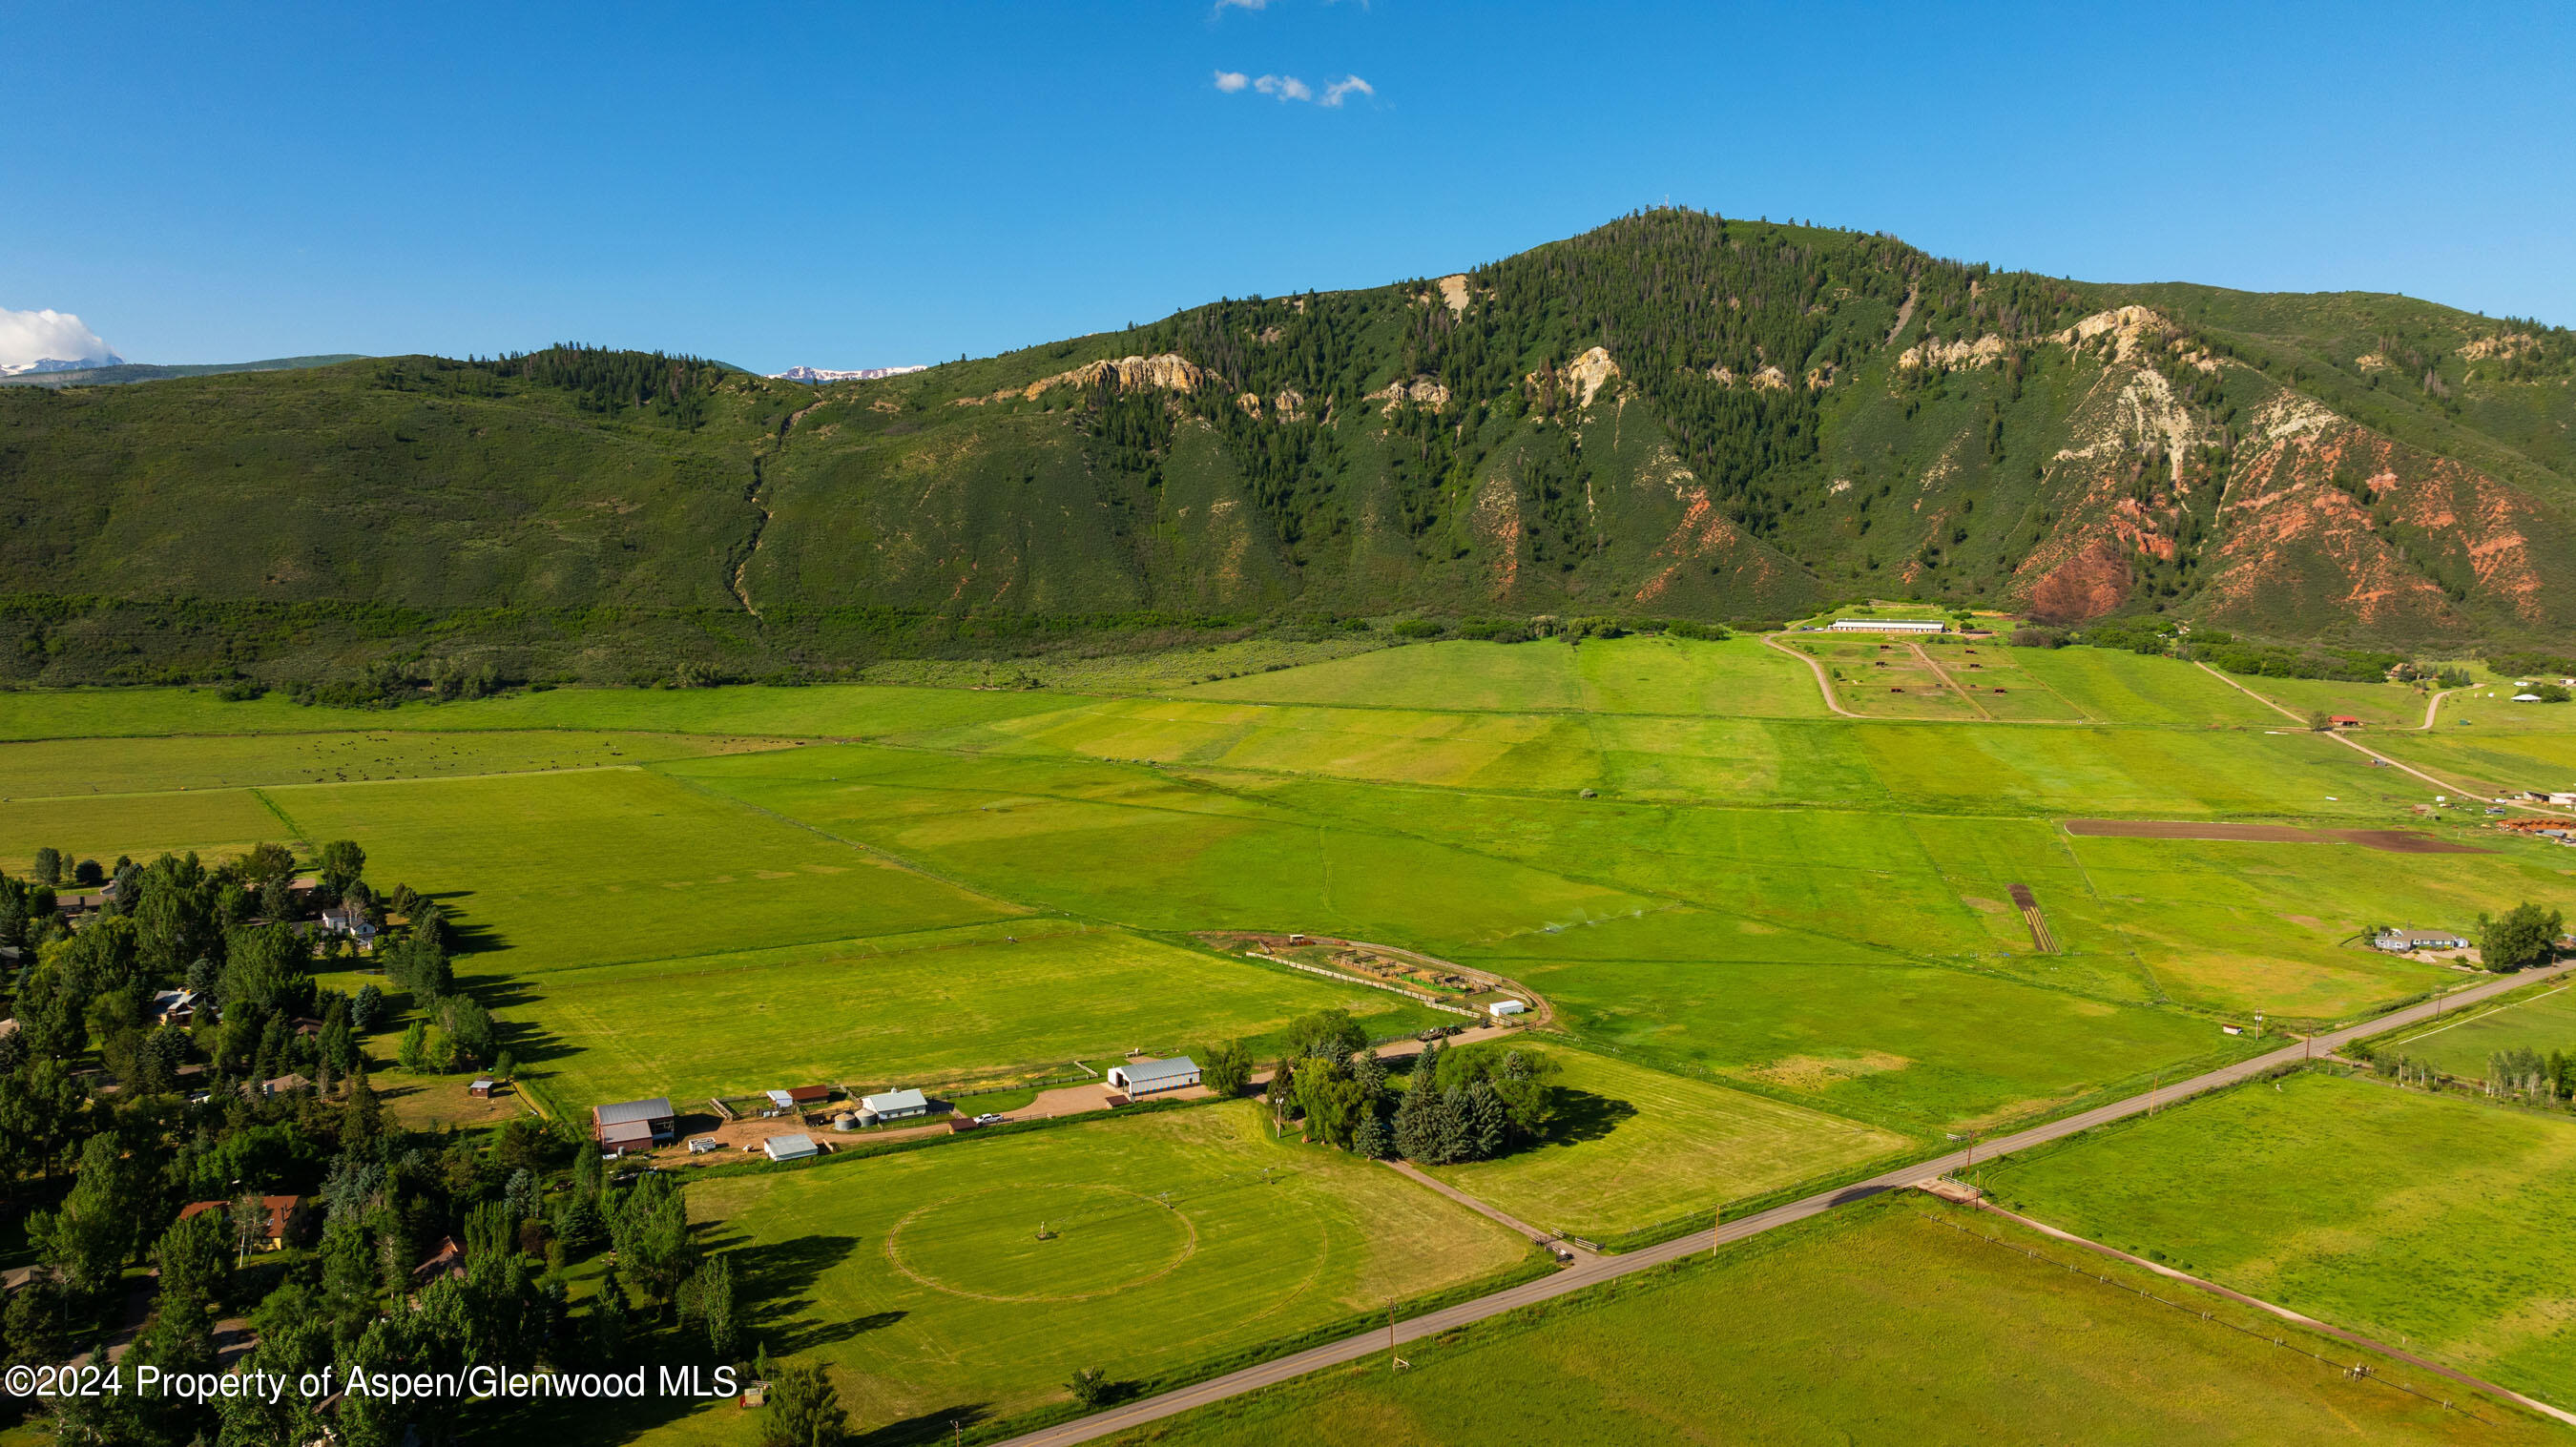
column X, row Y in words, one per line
column 1608, row 1268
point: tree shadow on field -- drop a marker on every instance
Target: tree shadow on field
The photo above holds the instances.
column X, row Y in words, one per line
column 780, row 1276
column 1584, row 1116
column 932, row 1426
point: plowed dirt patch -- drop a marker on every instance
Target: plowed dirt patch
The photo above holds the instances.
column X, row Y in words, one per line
column 2394, row 841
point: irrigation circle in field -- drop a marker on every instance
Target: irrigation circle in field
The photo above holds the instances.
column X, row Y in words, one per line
column 1027, row 1242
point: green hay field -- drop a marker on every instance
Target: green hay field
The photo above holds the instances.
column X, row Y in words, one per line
column 944, row 1009
column 2489, row 760
column 1135, row 846
column 1921, row 1049
column 1738, row 677
column 1810, row 906
column 821, row 711
column 2543, row 1020
column 1179, row 1238
column 1634, row 1148
column 2112, row 686
column 54, row 768
column 101, row 827
column 2433, row 1222
column 568, row 869
column 1873, row 1324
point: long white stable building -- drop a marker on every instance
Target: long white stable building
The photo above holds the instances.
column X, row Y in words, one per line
column 1886, row 625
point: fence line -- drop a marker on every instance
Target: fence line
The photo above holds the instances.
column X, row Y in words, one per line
column 1374, row 985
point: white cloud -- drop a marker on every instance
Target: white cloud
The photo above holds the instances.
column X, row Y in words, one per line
column 1285, row 88
column 30, row 337
column 1346, row 85
column 1225, row 5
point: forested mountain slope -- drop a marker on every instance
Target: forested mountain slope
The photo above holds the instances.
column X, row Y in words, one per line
column 1675, row 415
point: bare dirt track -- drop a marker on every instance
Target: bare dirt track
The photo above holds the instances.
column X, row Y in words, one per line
column 2393, row 841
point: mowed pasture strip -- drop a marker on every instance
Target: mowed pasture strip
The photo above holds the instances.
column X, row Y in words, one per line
column 1934, row 1335
column 56, row 768
column 1179, row 1238
column 922, row 1016
column 2434, row 1221
column 554, row 870
column 1634, row 1148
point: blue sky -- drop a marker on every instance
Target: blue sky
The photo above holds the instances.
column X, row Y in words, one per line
column 850, row 184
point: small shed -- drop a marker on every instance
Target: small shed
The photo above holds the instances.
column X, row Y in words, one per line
column 1507, row 1007
column 790, row 1147
column 895, row 1104
column 2342, row 721
column 481, row 1088
column 1141, row 1078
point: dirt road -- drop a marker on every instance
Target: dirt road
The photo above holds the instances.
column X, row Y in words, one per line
column 1608, row 1268
column 1824, row 685
column 2348, row 741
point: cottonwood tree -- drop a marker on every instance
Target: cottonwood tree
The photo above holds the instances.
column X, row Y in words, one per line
column 2523, row 935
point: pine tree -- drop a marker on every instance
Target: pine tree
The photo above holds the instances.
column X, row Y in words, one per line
column 1371, row 1140
column 1416, row 1133
column 1457, row 1128
column 1492, row 1125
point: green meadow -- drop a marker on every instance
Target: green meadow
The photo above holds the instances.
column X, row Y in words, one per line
column 1634, row 1148
column 921, row 1282
column 2433, row 1222
column 819, row 711
column 694, row 890
column 911, row 1010
column 2542, row 1020
column 1636, row 675
column 1878, row 1323
column 566, row 869
column 54, row 768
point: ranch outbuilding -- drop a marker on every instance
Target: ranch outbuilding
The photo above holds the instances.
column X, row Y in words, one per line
column 894, row 1104
column 1887, row 625
column 1141, row 1078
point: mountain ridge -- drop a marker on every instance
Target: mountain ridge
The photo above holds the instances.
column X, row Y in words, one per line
column 1673, row 415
